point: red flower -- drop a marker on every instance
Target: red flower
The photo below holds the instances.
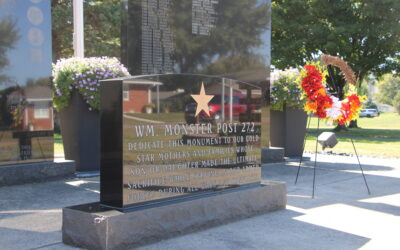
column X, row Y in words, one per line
column 323, row 102
column 318, row 100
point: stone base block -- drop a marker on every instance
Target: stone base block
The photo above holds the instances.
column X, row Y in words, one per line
column 93, row 227
column 35, row 172
column 272, row 154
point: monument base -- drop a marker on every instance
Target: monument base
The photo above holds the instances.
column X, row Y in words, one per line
column 18, row 174
column 272, row 155
column 91, row 226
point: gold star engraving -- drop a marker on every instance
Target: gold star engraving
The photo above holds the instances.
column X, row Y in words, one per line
column 202, row 101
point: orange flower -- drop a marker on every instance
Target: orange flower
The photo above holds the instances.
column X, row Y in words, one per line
column 318, row 100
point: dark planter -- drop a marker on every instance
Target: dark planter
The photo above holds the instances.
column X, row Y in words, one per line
column 288, row 128
column 80, row 129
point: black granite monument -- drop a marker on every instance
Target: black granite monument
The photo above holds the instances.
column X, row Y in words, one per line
column 203, row 139
column 181, row 140
column 220, row 47
column 26, row 115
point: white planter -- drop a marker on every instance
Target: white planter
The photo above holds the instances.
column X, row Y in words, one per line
column 149, row 110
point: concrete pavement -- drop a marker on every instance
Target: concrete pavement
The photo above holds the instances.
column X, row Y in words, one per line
column 341, row 216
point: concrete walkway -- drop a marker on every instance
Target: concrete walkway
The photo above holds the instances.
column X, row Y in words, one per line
column 341, row 216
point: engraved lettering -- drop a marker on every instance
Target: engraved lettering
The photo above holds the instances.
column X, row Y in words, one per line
column 226, row 128
column 144, row 158
column 185, row 129
column 144, row 130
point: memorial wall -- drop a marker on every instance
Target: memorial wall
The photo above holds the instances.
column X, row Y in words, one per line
column 213, row 37
column 26, row 115
column 201, row 77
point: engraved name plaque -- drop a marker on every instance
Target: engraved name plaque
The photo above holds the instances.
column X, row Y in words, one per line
column 192, row 142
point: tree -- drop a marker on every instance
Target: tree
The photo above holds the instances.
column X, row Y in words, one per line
column 365, row 33
column 101, row 23
column 233, row 43
column 396, row 102
column 8, row 37
column 390, row 91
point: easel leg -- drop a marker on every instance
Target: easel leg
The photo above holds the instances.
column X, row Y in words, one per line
column 315, row 161
column 302, row 152
column 359, row 164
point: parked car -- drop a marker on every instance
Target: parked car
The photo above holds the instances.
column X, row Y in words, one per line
column 369, row 113
column 215, row 106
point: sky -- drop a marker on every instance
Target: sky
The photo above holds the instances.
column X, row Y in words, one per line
column 31, row 57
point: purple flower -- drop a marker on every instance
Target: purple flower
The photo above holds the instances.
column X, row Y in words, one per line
column 58, row 91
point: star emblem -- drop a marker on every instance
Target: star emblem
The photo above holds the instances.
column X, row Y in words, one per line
column 202, row 101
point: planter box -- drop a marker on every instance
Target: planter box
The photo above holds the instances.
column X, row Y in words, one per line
column 80, row 129
column 288, row 128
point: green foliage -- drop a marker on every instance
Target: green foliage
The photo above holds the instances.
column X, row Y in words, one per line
column 83, row 75
column 101, row 23
column 365, row 33
column 236, row 43
column 396, row 102
column 285, row 91
column 176, row 104
column 390, row 91
column 8, row 37
column 370, row 105
column 363, row 90
column 234, row 64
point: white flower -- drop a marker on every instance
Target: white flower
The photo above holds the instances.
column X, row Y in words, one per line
column 334, row 112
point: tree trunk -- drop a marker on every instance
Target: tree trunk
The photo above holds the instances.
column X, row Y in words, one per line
column 353, row 124
column 340, row 128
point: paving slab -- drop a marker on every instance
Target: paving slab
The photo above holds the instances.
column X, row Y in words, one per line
column 341, row 216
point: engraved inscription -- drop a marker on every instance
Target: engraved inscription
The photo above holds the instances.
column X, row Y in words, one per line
column 157, row 40
column 204, row 16
column 168, row 160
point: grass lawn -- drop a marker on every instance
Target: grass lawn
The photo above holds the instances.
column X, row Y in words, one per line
column 378, row 136
column 58, row 145
column 365, row 147
column 384, row 121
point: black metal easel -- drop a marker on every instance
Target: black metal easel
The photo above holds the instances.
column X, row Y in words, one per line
column 316, row 144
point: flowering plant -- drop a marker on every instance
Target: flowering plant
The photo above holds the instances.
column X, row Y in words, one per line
column 285, row 90
column 323, row 105
column 83, row 75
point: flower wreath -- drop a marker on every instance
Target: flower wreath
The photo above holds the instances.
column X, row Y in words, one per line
column 319, row 102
